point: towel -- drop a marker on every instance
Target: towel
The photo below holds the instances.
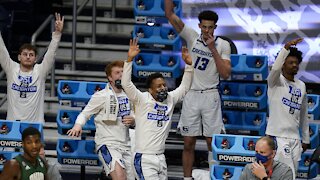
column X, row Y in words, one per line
column 112, row 106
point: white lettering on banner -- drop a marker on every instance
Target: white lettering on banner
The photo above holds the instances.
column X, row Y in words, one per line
column 148, row 73
column 235, row 158
column 241, row 104
column 302, row 175
column 159, row 45
column 91, row 162
column 5, row 143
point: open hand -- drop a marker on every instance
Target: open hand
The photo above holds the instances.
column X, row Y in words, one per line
column 186, row 56
column 75, row 131
column 133, row 49
column 59, row 22
column 258, row 170
column 293, row 42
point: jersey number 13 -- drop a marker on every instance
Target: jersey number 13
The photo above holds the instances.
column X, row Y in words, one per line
column 201, row 63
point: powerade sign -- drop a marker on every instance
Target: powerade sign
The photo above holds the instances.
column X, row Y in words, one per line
column 148, row 73
column 240, row 104
column 236, row 158
column 77, row 161
column 15, row 144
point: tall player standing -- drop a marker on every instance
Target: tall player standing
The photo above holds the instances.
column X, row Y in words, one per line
column 288, row 106
column 201, row 110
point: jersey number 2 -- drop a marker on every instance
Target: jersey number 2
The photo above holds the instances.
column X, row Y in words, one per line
column 201, row 63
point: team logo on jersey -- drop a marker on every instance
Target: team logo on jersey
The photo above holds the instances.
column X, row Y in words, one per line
column 122, row 162
column 124, row 106
column 201, row 52
column 25, row 80
column 36, row 176
column 185, row 129
column 24, row 87
column 293, row 103
column 287, row 152
column 160, row 114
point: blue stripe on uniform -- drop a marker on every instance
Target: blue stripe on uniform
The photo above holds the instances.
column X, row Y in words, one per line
column 137, row 165
column 106, row 154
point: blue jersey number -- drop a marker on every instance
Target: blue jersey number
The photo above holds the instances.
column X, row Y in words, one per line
column 201, row 63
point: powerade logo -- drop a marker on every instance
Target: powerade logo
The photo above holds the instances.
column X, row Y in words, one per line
column 241, row 104
column 5, row 143
column 73, row 161
column 236, row 158
column 148, row 73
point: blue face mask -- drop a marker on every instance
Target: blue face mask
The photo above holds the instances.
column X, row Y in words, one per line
column 262, row 158
column 162, row 95
column 117, row 83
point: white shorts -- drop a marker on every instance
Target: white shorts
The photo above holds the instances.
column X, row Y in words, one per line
column 289, row 152
column 201, row 114
column 150, row 167
column 110, row 155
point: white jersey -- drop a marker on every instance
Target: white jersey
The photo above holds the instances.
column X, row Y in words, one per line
column 287, row 104
column 206, row 75
column 107, row 132
column 25, row 90
column 153, row 118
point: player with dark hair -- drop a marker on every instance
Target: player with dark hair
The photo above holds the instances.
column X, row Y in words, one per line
column 152, row 77
column 201, row 110
column 26, row 79
column 153, row 112
column 288, row 111
column 29, row 165
column 112, row 110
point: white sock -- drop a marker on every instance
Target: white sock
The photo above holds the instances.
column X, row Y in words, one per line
column 210, row 159
column 187, row 178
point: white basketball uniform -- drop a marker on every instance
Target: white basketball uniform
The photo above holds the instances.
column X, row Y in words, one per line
column 25, row 90
column 201, row 110
column 287, row 114
column 111, row 138
column 153, row 122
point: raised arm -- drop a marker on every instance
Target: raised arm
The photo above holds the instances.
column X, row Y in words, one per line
column 5, row 60
column 174, row 20
column 186, row 82
column 186, row 56
column 131, row 90
column 274, row 75
column 49, row 57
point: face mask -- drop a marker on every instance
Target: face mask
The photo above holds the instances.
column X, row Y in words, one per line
column 117, row 83
column 261, row 158
column 162, row 95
